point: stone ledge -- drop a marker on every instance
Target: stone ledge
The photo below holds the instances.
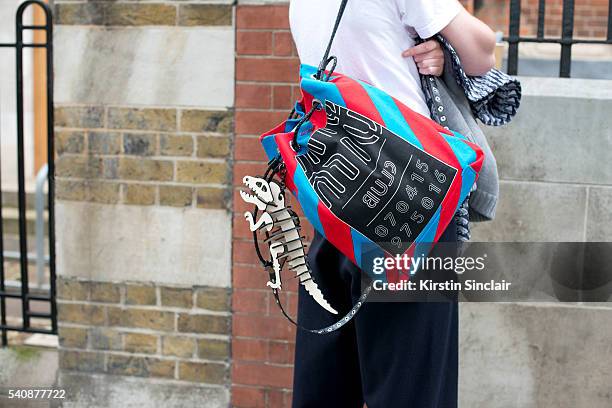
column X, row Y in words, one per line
column 567, row 87
column 109, row 391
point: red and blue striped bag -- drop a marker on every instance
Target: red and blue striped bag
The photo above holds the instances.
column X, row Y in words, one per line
column 368, row 171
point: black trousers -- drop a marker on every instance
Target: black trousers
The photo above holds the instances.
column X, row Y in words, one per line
column 390, row 355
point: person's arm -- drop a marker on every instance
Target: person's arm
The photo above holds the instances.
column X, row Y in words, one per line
column 474, row 42
column 428, row 56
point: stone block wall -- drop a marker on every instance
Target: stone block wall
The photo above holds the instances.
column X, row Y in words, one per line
column 144, row 139
column 556, row 186
column 555, row 178
column 130, row 14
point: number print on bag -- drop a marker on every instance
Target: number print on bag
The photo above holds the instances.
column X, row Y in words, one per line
column 381, row 231
column 427, row 203
column 406, row 228
column 416, row 217
column 440, row 176
column 402, row 207
column 422, row 166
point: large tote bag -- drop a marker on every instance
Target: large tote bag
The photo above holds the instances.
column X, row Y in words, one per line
column 368, row 171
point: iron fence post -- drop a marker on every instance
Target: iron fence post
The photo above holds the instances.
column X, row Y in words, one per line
column 21, row 196
column 24, row 293
column 609, row 36
column 565, row 64
column 541, row 18
column 51, row 166
column 514, row 36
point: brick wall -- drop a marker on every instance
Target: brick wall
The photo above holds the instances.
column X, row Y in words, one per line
column 143, row 156
column 591, row 17
column 144, row 330
column 263, row 341
column 128, row 13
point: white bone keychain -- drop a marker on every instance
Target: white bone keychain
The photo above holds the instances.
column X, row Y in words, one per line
column 281, row 226
column 284, row 240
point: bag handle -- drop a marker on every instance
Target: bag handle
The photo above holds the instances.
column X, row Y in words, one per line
column 430, row 86
column 319, row 75
column 326, row 58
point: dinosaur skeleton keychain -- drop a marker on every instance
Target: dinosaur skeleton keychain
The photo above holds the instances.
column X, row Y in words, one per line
column 281, row 227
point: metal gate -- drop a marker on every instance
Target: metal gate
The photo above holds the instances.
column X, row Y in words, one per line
column 567, row 39
column 22, row 291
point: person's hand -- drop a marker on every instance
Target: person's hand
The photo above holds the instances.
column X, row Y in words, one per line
column 428, row 57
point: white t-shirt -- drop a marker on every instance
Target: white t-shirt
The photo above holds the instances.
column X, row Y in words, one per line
column 371, row 38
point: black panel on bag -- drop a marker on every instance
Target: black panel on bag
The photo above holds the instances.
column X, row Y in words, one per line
column 377, row 182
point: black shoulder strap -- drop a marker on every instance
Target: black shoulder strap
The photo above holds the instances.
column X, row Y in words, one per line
column 364, row 294
column 325, row 330
column 325, row 60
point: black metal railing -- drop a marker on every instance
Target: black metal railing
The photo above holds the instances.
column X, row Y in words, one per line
column 566, row 40
column 23, row 292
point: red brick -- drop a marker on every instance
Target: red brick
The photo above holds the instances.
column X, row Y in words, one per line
column 282, row 97
column 251, row 301
column 242, row 169
column 293, row 298
column 249, row 277
column 289, row 399
column 277, row 328
column 244, row 252
column 281, row 352
column 254, row 42
column 249, row 148
column 240, row 228
column 262, row 374
column 469, row 5
column 267, row 69
column 307, row 230
column 283, row 44
column 297, row 93
column 288, row 296
column 290, row 287
column 248, row 397
column 277, row 399
column 250, row 349
column 262, row 17
column 253, row 96
column 257, row 122
column 240, row 206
